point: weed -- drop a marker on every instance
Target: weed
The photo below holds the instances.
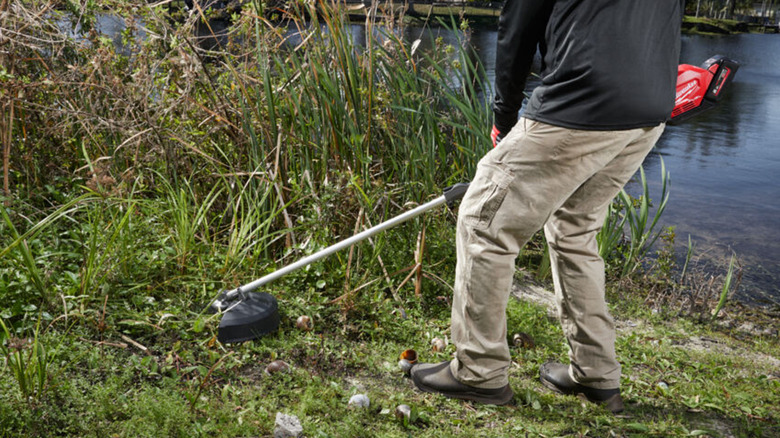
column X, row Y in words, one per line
column 188, row 225
column 29, row 362
column 727, row 288
column 642, row 233
column 102, row 242
column 611, row 234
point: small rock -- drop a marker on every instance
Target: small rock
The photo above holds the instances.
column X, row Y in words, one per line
column 305, row 323
column 277, row 366
column 726, row 323
column 748, row 328
column 359, row 401
column 287, row 426
column 403, row 411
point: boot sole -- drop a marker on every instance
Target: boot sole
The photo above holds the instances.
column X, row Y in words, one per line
column 505, row 397
column 554, row 388
column 614, row 404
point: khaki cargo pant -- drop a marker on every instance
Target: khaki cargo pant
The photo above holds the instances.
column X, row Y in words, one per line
column 563, row 180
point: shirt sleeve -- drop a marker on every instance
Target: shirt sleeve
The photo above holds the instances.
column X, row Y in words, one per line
column 521, row 27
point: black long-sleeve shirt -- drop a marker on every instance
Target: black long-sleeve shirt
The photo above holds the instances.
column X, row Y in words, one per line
column 606, row 64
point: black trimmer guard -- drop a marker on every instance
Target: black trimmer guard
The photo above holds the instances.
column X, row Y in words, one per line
column 252, row 315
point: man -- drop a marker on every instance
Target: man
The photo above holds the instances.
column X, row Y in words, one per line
column 608, row 77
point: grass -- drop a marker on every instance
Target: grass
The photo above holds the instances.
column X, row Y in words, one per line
column 149, row 180
column 671, row 390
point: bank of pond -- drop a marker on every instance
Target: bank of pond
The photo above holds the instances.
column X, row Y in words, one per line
column 474, row 11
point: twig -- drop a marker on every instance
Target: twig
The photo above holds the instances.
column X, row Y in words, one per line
column 353, row 291
column 110, row 344
column 206, row 380
column 414, row 271
column 7, row 135
column 352, row 252
column 290, row 236
column 433, row 276
column 249, row 174
column 161, row 3
column 379, row 258
column 418, row 255
column 134, row 344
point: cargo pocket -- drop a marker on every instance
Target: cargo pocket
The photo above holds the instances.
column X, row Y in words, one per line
column 485, row 196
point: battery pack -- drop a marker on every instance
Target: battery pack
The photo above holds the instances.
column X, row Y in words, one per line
column 700, row 88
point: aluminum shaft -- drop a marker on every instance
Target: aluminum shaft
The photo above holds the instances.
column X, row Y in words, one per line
column 411, row 214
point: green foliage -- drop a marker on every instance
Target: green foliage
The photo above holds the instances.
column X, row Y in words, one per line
column 27, row 259
column 189, row 220
column 665, row 257
column 727, row 283
column 29, row 364
column 628, row 249
column 642, row 232
column 610, row 236
column 26, row 251
column 102, row 243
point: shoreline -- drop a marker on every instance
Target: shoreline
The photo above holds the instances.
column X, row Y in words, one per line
column 487, row 12
column 709, row 26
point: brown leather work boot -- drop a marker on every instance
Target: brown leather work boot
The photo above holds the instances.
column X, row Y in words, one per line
column 437, row 378
column 556, row 377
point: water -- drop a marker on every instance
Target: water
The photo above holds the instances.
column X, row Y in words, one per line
column 725, row 166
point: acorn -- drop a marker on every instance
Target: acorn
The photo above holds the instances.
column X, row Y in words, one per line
column 523, row 340
column 305, row 323
column 277, row 366
column 403, row 411
column 407, row 360
column 359, row 401
column 438, row 345
column 409, row 355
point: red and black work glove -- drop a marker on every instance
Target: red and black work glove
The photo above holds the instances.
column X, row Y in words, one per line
column 496, row 136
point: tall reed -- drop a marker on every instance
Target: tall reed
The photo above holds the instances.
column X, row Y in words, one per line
column 372, row 108
column 725, row 292
column 642, row 232
column 629, row 230
column 231, row 151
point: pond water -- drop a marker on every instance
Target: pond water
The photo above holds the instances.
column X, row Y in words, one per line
column 724, row 163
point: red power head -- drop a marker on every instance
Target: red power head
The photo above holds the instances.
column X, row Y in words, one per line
column 700, row 88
